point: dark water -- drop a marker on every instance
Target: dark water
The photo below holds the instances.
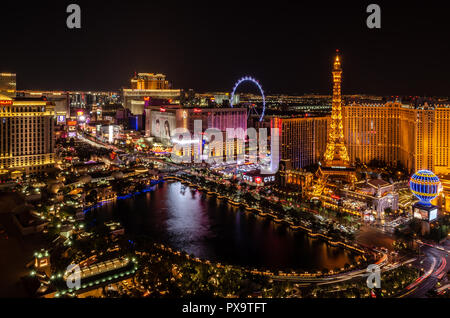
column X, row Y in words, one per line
column 209, row 228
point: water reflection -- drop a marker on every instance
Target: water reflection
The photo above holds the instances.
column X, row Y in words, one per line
column 209, row 228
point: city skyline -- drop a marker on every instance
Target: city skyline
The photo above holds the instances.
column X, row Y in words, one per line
column 131, row 167
column 208, row 50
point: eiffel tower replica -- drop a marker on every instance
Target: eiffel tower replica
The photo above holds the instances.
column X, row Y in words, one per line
column 336, row 163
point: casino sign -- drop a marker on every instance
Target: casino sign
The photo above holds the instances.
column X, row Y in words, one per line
column 6, row 102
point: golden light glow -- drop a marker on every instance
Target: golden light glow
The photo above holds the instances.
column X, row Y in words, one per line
column 336, row 153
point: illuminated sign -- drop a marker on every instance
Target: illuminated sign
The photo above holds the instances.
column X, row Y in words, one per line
column 60, row 119
column 420, row 214
column 71, row 123
column 162, row 109
column 433, row 215
column 269, row 179
column 425, row 215
column 5, row 102
column 162, row 124
column 197, row 110
column 259, row 179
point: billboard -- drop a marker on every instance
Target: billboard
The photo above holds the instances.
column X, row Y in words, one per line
column 420, row 214
column 433, row 215
column 425, row 214
column 163, row 124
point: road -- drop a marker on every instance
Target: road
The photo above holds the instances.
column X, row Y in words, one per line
column 384, row 264
column 435, row 263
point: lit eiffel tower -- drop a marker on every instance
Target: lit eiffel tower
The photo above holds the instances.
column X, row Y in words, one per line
column 336, row 154
column 336, row 162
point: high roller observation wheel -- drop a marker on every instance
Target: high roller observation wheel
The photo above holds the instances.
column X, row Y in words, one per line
column 254, row 81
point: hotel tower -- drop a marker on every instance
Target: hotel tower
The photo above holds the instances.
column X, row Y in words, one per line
column 26, row 135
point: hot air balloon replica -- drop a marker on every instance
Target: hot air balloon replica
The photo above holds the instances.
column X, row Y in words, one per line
column 425, row 185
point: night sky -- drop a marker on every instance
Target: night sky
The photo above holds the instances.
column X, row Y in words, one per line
column 207, row 46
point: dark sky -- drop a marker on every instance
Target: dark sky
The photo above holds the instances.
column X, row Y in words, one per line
column 209, row 45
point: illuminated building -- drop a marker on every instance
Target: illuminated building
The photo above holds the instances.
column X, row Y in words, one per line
column 26, row 134
column 375, row 194
column 180, row 117
column 147, row 86
column 446, row 193
column 68, row 103
column 215, row 98
column 8, row 84
column 135, row 99
column 149, row 81
column 59, row 98
column 298, row 178
column 160, row 123
column 302, row 140
column 418, row 138
column 371, row 133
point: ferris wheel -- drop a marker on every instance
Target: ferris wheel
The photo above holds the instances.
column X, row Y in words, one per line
column 251, row 108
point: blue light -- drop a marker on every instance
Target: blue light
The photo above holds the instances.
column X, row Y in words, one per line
column 424, row 184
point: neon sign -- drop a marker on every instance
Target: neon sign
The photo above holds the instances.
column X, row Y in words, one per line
column 259, row 179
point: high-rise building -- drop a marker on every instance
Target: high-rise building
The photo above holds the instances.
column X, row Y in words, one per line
column 59, row 98
column 303, row 140
column 8, row 84
column 175, row 116
column 26, row 135
column 161, row 122
column 446, row 193
column 149, row 81
column 417, row 137
column 146, row 87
